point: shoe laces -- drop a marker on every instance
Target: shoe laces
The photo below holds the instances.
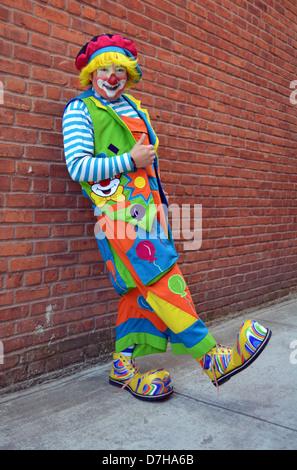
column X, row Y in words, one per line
column 211, row 353
column 222, row 347
column 213, row 371
column 134, row 366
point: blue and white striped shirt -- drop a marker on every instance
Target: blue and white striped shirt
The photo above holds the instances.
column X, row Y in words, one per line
column 78, row 134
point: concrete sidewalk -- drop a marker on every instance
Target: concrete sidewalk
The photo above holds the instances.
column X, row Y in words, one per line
column 257, row 409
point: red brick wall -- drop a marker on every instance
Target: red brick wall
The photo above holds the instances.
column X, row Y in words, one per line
column 217, row 78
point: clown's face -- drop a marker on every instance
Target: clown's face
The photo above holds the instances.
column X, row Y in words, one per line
column 109, row 81
column 106, row 188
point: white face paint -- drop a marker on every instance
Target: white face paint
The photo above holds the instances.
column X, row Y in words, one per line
column 110, row 81
column 111, row 91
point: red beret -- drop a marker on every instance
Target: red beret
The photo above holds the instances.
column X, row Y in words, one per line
column 103, row 43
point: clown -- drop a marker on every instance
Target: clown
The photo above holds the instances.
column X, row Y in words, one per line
column 107, row 190
column 111, row 149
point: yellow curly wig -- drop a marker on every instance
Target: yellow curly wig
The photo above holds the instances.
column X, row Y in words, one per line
column 108, row 58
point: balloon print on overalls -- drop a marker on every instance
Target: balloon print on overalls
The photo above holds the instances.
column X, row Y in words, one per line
column 177, row 285
column 145, row 250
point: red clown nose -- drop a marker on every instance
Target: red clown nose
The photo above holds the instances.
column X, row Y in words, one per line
column 112, row 79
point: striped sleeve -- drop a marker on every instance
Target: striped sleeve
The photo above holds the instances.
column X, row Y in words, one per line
column 78, row 135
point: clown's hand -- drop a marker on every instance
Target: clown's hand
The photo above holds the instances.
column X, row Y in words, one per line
column 143, row 155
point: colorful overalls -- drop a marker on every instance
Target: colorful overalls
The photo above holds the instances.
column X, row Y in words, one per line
column 136, row 244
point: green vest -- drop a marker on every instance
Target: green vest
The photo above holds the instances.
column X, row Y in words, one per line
column 112, row 134
column 153, row 253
